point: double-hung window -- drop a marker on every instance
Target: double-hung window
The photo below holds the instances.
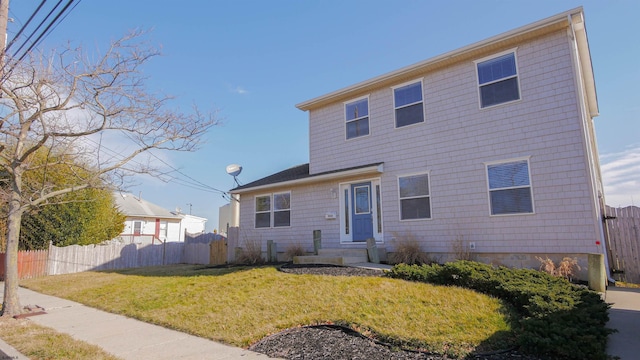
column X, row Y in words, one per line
column 407, row 101
column 273, row 210
column 498, row 80
column 415, row 199
column 510, row 188
column 357, row 117
column 282, row 209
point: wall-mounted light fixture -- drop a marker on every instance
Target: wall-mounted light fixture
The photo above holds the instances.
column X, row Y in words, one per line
column 333, row 193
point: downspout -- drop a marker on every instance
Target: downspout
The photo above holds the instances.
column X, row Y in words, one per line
column 235, row 210
column 596, row 179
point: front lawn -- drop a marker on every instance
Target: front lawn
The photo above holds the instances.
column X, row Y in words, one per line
column 240, row 306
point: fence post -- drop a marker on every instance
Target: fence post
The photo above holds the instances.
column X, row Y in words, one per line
column 372, row 251
column 272, row 251
column 596, row 272
column 233, row 235
column 317, row 241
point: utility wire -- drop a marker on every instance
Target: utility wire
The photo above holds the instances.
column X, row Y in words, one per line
column 46, row 30
column 59, row 17
column 24, row 26
column 26, row 41
column 190, row 183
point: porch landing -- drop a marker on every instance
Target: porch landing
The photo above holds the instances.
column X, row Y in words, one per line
column 349, row 257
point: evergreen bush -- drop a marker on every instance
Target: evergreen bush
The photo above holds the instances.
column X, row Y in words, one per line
column 557, row 318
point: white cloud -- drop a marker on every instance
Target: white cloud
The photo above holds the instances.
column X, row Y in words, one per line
column 239, row 90
column 621, row 176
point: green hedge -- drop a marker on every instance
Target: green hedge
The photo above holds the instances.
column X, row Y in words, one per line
column 557, row 319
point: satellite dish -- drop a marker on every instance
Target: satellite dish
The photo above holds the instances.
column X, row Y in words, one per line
column 234, row 170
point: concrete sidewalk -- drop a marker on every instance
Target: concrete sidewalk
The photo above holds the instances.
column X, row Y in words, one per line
column 625, row 317
column 123, row 337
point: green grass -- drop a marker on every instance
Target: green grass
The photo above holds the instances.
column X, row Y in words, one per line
column 240, row 306
column 627, row 285
column 39, row 342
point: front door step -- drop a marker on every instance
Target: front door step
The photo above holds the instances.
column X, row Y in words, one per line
column 334, row 257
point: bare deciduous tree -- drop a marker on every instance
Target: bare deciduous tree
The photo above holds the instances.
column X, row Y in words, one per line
column 71, row 103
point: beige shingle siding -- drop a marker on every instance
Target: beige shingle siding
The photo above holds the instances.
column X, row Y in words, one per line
column 453, row 145
column 457, row 138
column 308, row 207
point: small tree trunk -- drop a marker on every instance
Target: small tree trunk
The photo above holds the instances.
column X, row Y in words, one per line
column 11, row 303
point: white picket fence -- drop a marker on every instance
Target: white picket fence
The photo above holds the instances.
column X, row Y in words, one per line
column 75, row 258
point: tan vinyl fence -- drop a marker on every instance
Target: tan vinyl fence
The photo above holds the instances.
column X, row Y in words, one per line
column 623, row 234
column 72, row 259
column 75, row 258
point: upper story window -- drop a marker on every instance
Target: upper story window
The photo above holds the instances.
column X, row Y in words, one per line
column 407, row 101
column 357, row 116
column 273, row 210
column 415, row 199
column 510, row 188
column 498, row 80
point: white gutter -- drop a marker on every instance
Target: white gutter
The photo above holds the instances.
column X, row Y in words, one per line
column 314, row 179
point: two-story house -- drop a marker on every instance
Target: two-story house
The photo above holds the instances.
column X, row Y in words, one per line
column 491, row 144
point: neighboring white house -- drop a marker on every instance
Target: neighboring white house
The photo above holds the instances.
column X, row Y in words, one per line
column 191, row 224
column 147, row 223
column 490, row 147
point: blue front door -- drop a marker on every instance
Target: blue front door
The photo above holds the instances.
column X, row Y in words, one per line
column 361, row 211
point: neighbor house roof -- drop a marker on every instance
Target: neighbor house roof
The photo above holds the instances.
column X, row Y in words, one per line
column 132, row 206
column 573, row 19
column 298, row 175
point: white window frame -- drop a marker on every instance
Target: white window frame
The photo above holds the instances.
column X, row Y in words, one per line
column 530, row 186
column 517, row 76
column 393, row 96
column 256, row 212
column 141, row 230
column 272, row 210
column 347, row 121
column 400, row 198
column 273, row 218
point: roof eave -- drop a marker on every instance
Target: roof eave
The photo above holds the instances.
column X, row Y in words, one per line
column 550, row 23
column 580, row 31
column 373, row 169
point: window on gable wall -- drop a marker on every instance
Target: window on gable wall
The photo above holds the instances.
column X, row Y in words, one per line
column 415, row 200
column 276, row 208
column 357, row 117
column 498, row 80
column 407, row 101
column 510, row 188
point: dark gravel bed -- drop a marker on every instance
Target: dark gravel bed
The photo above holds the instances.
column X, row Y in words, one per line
column 335, row 270
column 338, row 343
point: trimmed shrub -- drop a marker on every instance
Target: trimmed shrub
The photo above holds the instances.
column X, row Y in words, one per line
column 408, row 251
column 557, row 319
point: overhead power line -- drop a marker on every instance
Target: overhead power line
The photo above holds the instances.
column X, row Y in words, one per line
column 19, row 55
column 24, row 26
column 185, row 180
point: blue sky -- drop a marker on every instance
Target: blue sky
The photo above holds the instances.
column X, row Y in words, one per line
column 252, row 61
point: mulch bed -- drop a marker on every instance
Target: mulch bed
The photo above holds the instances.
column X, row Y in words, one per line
column 339, row 343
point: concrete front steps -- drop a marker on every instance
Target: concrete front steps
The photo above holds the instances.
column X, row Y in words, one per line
column 334, row 257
